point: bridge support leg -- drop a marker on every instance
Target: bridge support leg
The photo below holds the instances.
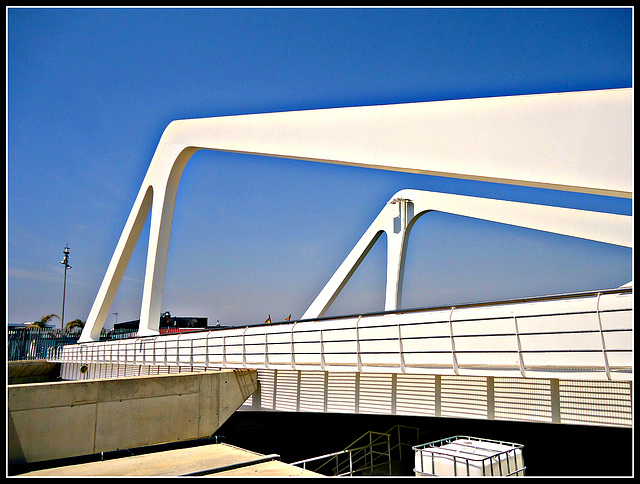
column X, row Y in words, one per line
column 397, row 237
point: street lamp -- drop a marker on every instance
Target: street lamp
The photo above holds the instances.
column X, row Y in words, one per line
column 65, row 262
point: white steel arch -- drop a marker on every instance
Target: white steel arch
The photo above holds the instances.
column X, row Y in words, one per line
column 578, row 141
column 403, row 209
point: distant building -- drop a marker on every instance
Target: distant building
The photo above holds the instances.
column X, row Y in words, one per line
column 168, row 323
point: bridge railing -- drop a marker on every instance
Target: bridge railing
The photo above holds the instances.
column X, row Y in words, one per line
column 582, row 335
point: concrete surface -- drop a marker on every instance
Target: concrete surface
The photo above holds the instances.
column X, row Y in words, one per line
column 214, row 459
column 66, row 419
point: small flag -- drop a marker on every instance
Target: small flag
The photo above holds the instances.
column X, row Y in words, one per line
column 288, row 319
column 268, row 320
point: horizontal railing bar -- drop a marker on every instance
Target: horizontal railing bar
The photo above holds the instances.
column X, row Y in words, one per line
column 574, row 295
column 404, row 338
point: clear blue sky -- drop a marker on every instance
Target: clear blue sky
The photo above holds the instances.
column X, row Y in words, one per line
column 90, row 91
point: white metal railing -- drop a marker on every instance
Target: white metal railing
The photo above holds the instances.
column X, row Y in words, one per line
column 583, row 335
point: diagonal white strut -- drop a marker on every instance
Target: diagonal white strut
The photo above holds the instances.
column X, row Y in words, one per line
column 578, row 141
column 401, row 212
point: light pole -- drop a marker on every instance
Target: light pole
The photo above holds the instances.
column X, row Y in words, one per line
column 65, row 262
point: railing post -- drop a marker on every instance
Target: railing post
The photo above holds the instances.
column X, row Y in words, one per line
column 604, row 349
column 401, row 349
column 358, row 356
column 453, row 344
column 224, row 351
column 178, row 350
column 389, row 450
column 293, row 357
column 350, row 463
column 519, row 346
column 322, row 362
column 206, row 350
column 244, row 351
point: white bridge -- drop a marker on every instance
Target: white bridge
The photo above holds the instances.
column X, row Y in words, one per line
column 561, row 358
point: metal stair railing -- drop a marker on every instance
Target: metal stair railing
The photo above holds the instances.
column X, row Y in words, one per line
column 360, row 458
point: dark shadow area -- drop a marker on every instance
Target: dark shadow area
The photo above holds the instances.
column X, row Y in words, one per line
column 549, row 449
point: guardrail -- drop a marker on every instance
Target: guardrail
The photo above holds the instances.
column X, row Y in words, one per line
column 583, row 335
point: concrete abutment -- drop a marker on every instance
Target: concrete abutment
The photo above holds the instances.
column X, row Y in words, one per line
column 55, row 420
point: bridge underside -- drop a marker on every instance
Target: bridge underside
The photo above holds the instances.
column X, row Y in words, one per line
column 541, row 400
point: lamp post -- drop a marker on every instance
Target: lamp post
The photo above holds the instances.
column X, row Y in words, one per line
column 65, row 262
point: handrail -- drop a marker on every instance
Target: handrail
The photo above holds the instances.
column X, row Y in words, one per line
column 309, row 352
column 499, row 302
column 351, row 451
column 383, row 438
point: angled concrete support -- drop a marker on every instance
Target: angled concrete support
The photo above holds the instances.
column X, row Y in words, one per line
column 401, row 212
column 58, row 420
column 577, row 141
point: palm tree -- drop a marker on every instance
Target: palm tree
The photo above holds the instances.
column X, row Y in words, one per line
column 75, row 324
column 42, row 322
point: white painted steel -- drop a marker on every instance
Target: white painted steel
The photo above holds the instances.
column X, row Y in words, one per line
column 580, row 141
column 585, row 336
column 558, row 401
column 403, row 209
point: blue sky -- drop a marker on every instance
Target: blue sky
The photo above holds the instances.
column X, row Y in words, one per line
column 90, row 91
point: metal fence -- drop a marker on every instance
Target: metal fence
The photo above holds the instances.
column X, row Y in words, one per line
column 34, row 343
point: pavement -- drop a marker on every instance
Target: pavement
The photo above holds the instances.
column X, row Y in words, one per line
column 206, row 460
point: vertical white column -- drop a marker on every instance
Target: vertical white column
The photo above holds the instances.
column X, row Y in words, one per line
column 397, row 237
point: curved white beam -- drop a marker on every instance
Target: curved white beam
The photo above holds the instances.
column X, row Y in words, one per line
column 405, row 207
column 578, row 141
